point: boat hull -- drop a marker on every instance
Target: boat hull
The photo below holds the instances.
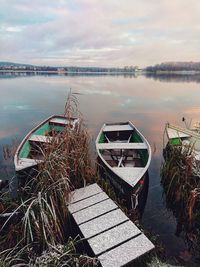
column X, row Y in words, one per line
column 124, row 191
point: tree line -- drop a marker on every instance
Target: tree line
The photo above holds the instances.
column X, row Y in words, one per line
column 174, row 66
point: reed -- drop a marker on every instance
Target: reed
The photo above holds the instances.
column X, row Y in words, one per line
column 177, row 172
column 181, row 184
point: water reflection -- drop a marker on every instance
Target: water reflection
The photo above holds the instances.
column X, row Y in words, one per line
column 174, row 77
column 164, row 77
column 148, row 103
column 18, row 74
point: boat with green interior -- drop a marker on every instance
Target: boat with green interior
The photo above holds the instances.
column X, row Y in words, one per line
column 30, row 150
column 185, row 137
column 126, row 154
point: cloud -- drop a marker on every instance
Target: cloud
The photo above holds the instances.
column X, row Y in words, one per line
column 99, row 33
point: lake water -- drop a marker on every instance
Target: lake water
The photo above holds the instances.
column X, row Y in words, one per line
column 148, row 102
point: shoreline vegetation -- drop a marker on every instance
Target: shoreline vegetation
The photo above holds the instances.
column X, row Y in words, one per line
column 68, row 72
column 180, row 179
column 157, row 72
column 15, row 67
column 175, row 67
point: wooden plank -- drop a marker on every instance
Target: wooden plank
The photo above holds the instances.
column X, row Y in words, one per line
column 63, row 122
column 28, row 160
column 87, row 202
column 113, row 237
column 60, row 121
column 127, row 252
column 94, row 211
column 117, row 127
column 185, row 131
column 172, row 133
column 115, row 145
column 84, row 192
column 26, row 163
column 40, row 138
column 103, row 223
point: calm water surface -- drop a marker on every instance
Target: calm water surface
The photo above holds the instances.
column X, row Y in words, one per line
column 149, row 103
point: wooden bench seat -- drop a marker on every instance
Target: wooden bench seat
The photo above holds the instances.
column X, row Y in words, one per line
column 121, row 146
column 40, row 138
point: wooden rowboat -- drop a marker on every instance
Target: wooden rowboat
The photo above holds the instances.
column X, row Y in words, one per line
column 126, row 154
column 29, row 152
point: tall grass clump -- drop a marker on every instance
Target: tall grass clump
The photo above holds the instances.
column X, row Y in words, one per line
column 39, row 219
column 177, row 172
column 181, row 184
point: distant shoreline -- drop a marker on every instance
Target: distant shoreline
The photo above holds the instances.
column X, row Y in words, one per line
column 70, row 72
column 182, row 72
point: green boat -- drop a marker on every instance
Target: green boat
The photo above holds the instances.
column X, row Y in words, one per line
column 29, row 152
column 125, row 153
column 185, row 137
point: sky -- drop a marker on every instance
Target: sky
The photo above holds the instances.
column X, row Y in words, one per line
column 110, row 33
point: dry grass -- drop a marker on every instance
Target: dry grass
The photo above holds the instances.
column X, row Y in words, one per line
column 181, row 183
column 176, row 172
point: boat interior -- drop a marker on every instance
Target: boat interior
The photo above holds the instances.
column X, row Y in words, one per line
column 36, row 144
column 124, row 156
column 119, row 136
